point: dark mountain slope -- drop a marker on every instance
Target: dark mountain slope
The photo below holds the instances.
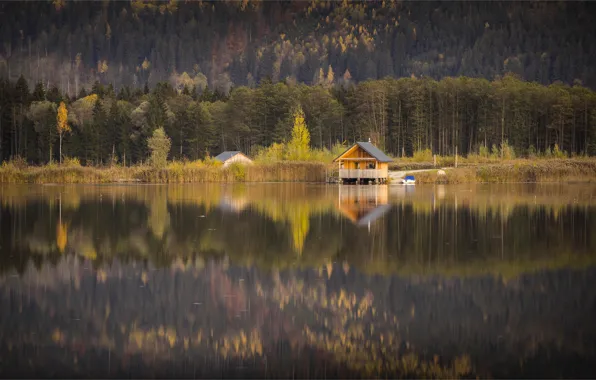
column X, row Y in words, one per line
column 70, row 44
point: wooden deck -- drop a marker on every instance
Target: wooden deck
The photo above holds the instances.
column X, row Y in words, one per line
column 362, row 173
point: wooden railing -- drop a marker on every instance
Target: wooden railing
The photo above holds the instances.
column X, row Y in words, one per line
column 362, row 173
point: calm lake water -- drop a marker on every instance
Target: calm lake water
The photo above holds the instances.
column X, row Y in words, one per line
column 297, row 280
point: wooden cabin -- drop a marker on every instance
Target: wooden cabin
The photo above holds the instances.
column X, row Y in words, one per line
column 363, row 162
column 229, row 157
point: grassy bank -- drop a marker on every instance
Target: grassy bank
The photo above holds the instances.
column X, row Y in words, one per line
column 173, row 173
column 521, row 170
column 468, row 171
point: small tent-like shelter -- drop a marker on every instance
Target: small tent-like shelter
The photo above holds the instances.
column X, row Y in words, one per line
column 363, row 162
column 229, row 157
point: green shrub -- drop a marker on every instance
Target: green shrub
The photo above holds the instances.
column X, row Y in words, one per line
column 495, row 154
column 548, row 152
column 159, row 144
column 273, row 153
column 337, row 149
column 71, row 162
column 209, row 161
column 558, row 153
column 238, row 170
column 16, row 162
column 425, row 155
column 507, row 151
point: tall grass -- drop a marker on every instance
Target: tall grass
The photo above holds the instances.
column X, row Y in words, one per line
column 175, row 172
column 470, row 169
column 287, row 172
column 551, row 170
column 502, row 154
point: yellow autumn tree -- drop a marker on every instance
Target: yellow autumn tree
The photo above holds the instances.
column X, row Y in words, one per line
column 145, row 65
column 299, row 219
column 61, row 236
column 299, row 146
column 330, row 76
column 62, row 124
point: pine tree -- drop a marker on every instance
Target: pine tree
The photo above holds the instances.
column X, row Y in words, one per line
column 82, row 93
column 39, row 93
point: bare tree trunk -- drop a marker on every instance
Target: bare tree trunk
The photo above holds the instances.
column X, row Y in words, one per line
column 37, row 74
column 585, row 126
column 20, row 130
column 320, row 135
column 399, row 133
column 1, row 156
column 60, row 160
column 13, row 144
column 29, row 60
column 502, row 125
column 573, row 134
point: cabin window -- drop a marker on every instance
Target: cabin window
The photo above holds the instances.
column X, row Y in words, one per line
column 357, row 165
column 372, row 165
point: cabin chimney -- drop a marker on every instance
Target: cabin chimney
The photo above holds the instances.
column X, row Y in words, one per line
column 369, row 139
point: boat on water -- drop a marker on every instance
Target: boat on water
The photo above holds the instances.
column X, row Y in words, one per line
column 408, row 180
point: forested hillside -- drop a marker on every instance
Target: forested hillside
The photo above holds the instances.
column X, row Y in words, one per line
column 71, row 44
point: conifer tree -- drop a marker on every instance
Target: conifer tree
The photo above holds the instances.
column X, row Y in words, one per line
column 159, row 144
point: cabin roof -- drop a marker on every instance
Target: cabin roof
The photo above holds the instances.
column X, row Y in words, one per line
column 224, row 156
column 370, row 149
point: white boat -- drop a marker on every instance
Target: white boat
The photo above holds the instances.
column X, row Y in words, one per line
column 408, row 180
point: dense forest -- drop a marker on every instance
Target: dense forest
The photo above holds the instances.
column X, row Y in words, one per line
column 401, row 116
column 465, row 77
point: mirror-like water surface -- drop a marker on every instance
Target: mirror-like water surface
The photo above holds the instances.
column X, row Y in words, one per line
column 297, row 280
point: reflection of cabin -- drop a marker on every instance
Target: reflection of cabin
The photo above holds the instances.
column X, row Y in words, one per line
column 363, row 205
column 363, row 162
column 229, row 157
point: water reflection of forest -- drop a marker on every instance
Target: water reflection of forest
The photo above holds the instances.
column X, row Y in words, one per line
column 505, row 230
column 294, row 280
column 209, row 319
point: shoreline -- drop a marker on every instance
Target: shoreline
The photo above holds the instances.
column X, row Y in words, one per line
column 515, row 171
